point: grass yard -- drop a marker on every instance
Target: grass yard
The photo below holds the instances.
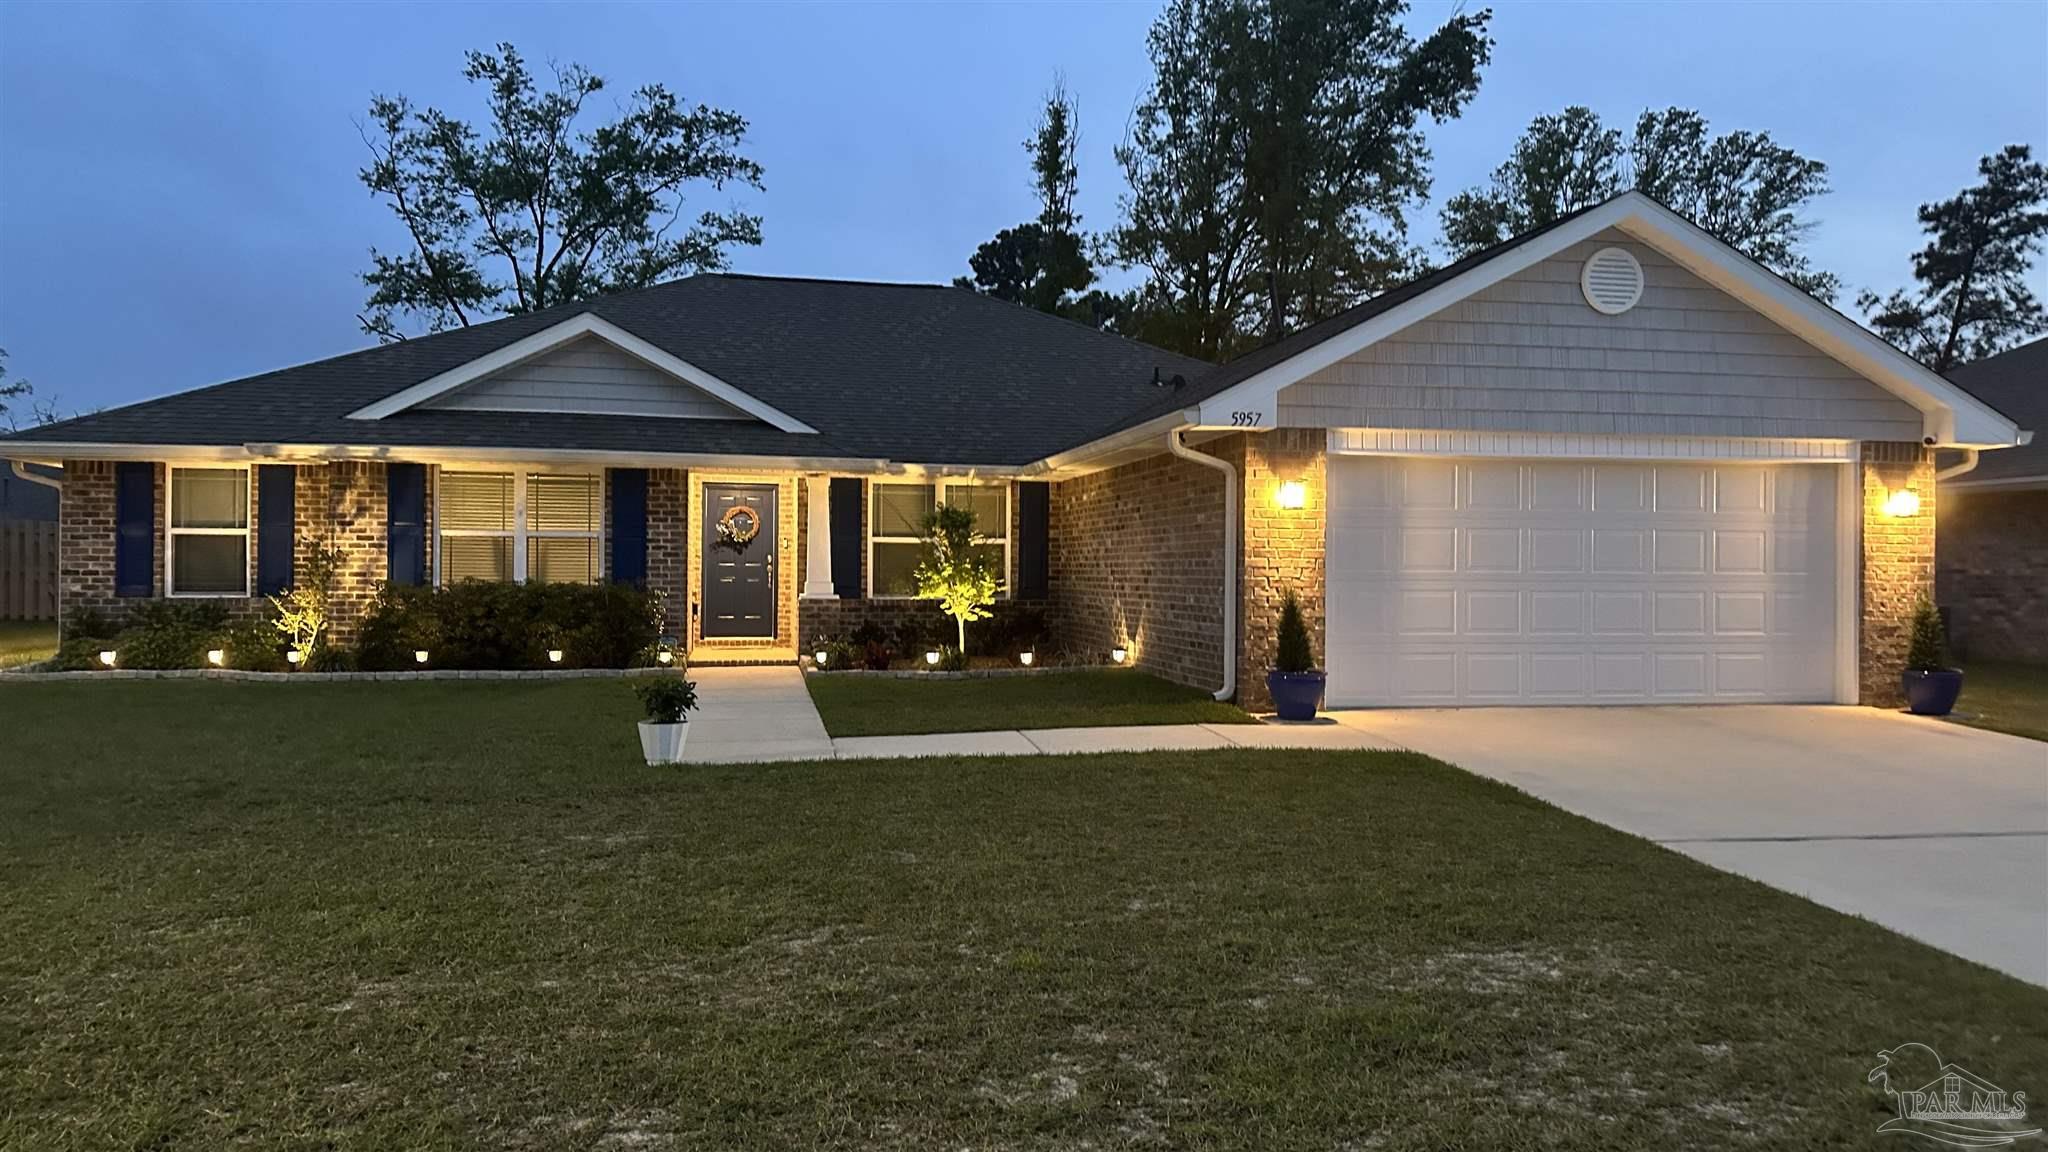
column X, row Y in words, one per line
column 856, row 705
column 26, row 641
column 2006, row 698
column 458, row 915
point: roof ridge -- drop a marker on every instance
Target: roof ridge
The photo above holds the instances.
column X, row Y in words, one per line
column 852, row 283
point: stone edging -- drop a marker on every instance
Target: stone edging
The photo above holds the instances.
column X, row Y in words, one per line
column 969, row 674
column 330, row 677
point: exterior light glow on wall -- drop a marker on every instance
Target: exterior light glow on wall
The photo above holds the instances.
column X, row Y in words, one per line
column 420, row 656
column 1117, row 654
column 107, row 658
column 1293, row 494
column 932, row 657
column 216, row 657
column 1025, row 658
column 554, row 655
column 1902, row 502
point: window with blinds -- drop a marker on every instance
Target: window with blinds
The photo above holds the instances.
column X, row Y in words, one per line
column 546, row 527
column 896, row 516
column 207, row 538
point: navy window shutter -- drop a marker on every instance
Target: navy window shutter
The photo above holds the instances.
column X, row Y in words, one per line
column 629, row 525
column 846, row 541
column 1034, row 506
column 134, row 528
column 276, row 536
column 405, row 518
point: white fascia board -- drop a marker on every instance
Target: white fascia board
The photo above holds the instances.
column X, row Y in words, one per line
column 575, row 327
column 2009, row 484
column 1077, row 461
column 1952, row 417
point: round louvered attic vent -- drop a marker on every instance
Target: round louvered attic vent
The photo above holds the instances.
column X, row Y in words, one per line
column 1612, row 281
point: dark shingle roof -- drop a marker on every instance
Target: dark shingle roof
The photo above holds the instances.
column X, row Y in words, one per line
column 907, row 372
column 2016, row 383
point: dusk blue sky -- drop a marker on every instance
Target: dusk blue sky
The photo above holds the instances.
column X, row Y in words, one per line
column 179, row 202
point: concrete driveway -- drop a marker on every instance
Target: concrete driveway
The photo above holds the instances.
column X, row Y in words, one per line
column 1929, row 828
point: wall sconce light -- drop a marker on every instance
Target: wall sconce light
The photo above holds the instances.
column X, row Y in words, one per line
column 216, row 657
column 554, row 655
column 1025, row 658
column 932, row 657
column 293, row 657
column 1902, row 502
column 419, row 656
column 664, row 657
column 1293, row 494
column 1117, row 654
column 819, row 657
column 107, row 658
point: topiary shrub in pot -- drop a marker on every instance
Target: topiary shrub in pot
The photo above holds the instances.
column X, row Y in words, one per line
column 1295, row 683
column 1931, row 686
column 668, row 700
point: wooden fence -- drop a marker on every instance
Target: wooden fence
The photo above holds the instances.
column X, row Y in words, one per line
column 28, row 569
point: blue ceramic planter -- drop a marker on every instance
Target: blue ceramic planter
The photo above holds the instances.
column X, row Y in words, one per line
column 1932, row 691
column 1296, row 695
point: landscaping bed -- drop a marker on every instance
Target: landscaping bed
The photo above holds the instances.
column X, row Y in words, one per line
column 890, row 705
column 461, row 915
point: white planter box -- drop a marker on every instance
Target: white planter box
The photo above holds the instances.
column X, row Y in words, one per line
column 663, row 743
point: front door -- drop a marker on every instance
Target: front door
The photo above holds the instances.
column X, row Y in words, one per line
column 739, row 561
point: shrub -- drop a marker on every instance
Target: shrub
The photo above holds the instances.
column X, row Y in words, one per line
column 1928, row 649
column 253, row 645
column 330, row 658
column 840, row 653
column 164, row 646
column 483, row 625
column 88, row 623
column 666, row 698
column 1294, row 653
column 952, row 659
column 301, row 613
column 873, row 645
column 79, row 653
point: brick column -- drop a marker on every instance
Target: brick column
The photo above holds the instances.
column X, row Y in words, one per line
column 1897, row 565
column 1282, row 548
column 668, row 533
column 356, row 524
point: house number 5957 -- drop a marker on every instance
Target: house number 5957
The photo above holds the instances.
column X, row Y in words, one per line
column 1245, row 419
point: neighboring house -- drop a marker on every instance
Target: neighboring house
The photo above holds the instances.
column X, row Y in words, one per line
column 1993, row 557
column 1610, row 461
column 28, row 499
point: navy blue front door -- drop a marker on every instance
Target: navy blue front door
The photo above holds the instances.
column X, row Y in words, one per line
column 739, row 561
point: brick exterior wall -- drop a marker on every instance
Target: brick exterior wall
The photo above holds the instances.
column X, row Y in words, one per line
column 1136, row 557
column 668, row 535
column 1283, row 549
column 1897, row 565
column 85, row 540
column 1992, row 574
column 356, row 523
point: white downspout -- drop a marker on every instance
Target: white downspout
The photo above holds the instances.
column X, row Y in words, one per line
column 21, row 471
column 1950, row 472
column 1175, row 446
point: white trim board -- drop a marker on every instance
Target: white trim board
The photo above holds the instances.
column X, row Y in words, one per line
column 548, row 339
column 1573, row 446
column 1952, row 417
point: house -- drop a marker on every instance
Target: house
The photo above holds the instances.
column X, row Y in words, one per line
column 1992, row 561
column 1609, row 461
column 30, row 494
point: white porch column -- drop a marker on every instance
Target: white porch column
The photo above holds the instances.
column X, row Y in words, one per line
column 818, row 539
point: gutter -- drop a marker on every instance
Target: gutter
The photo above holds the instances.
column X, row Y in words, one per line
column 21, row 472
column 1178, row 447
column 1969, row 464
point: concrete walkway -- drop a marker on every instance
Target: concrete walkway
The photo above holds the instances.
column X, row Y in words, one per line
column 1929, row 828
column 755, row 714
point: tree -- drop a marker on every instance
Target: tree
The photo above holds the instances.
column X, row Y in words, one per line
column 955, row 569
column 564, row 213
column 1273, row 159
column 301, row 613
column 1973, row 299
column 13, row 389
column 1743, row 187
column 1044, row 264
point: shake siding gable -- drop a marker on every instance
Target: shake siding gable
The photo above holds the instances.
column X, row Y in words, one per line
column 1529, row 354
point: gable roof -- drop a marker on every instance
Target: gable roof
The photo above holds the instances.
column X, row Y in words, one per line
column 915, row 373
column 1951, row 415
column 2016, row 383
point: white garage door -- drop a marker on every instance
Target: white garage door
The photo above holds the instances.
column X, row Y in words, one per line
column 1540, row 582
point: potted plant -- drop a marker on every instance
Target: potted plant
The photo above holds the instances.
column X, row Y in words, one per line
column 1295, row 683
column 668, row 700
column 1931, row 685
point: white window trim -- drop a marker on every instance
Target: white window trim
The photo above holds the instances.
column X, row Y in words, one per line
column 519, row 533
column 939, row 488
column 246, row 531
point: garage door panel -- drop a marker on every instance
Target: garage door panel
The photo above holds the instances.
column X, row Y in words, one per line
column 1507, row 582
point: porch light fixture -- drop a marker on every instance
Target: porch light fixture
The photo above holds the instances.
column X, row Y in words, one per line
column 1293, row 494
column 107, row 658
column 554, row 655
column 216, row 657
column 932, row 657
column 419, row 656
column 294, row 656
column 1902, row 502
column 1025, row 658
column 1117, row 654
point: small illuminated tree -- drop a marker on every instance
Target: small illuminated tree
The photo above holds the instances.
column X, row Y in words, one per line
column 954, row 568
column 302, row 610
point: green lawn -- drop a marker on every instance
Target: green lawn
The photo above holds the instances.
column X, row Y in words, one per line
column 2006, row 698
column 464, row 915
column 856, row 705
column 26, row 641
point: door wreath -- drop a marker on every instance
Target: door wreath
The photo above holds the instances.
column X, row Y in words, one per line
column 739, row 524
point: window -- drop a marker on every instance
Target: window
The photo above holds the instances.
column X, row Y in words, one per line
column 896, row 515
column 541, row 526
column 207, row 538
